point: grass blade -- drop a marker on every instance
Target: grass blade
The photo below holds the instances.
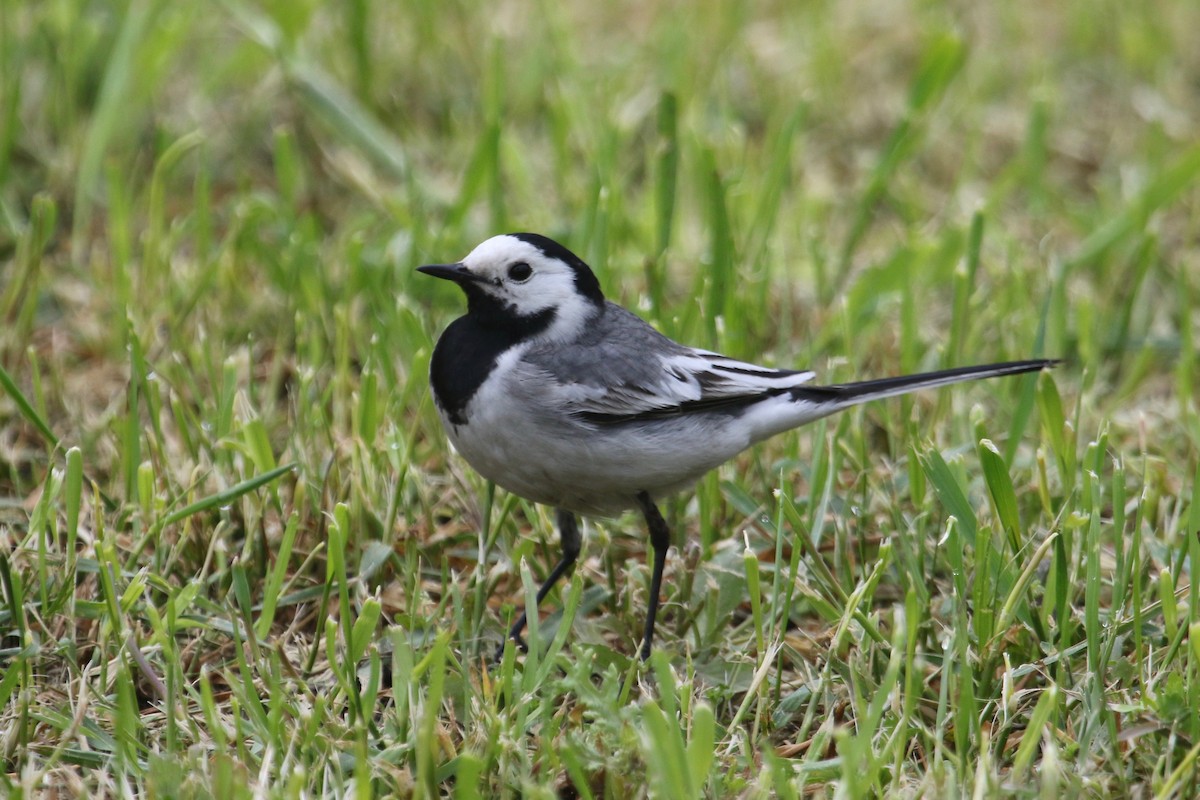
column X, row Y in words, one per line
column 224, row 498
column 26, row 408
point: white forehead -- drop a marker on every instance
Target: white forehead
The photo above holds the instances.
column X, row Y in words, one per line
column 500, row 251
column 551, row 285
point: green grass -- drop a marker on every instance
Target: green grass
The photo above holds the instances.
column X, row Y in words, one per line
column 237, row 557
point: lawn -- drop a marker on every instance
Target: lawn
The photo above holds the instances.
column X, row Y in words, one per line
column 239, row 559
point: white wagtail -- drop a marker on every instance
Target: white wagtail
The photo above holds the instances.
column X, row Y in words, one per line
column 566, row 399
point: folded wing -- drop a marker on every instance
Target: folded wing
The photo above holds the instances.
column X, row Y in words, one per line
column 623, row 370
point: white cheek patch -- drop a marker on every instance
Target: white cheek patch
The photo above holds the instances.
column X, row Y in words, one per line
column 570, row 318
column 572, row 311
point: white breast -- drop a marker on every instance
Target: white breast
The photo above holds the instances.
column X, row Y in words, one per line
column 521, row 437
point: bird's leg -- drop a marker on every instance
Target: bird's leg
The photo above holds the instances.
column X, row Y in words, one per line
column 568, row 533
column 660, row 539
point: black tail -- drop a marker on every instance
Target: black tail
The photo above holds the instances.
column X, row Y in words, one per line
column 849, row 394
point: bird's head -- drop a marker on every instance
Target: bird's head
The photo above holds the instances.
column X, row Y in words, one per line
column 520, row 277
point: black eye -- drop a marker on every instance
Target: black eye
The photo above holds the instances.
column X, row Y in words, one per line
column 520, row 272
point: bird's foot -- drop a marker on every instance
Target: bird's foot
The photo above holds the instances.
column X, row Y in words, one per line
column 517, row 639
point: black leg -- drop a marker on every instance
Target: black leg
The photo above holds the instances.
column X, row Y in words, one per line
column 568, row 533
column 660, row 539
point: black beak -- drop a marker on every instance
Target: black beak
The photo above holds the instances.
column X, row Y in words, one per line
column 451, row 272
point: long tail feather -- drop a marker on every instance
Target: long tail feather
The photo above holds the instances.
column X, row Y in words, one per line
column 849, row 394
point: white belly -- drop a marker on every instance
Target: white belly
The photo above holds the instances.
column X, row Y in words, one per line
column 560, row 461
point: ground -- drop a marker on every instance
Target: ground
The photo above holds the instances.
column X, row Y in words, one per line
column 238, row 557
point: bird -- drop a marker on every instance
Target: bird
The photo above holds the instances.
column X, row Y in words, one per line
column 568, row 399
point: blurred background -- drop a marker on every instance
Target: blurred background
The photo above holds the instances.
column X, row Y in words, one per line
column 210, row 215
